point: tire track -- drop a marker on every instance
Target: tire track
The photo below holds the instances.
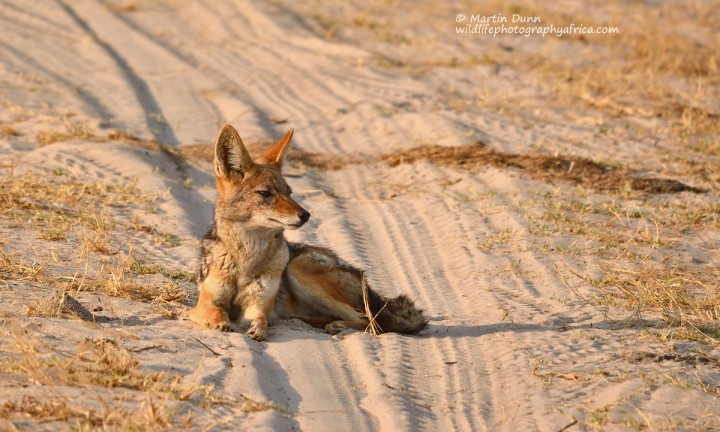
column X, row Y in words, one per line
column 420, row 238
column 94, row 104
column 512, row 348
column 26, row 15
column 301, row 99
column 26, row 30
column 445, row 259
column 161, row 130
column 395, row 248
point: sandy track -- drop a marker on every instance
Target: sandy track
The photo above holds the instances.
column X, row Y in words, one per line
column 172, row 72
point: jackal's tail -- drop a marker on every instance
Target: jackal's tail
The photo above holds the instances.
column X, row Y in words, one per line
column 397, row 314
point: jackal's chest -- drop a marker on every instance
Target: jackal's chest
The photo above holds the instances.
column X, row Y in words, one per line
column 264, row 262
column 261, row 281
column 244, row 271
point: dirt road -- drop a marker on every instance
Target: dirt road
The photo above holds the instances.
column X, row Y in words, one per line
column 506, row 262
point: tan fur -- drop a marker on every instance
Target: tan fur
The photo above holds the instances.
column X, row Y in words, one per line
column 249, row 271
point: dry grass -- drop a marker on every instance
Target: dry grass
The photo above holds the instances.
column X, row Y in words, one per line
column 8, row 131
column 57, row 202
column 95, row 363
column 685, row 299
column 639, row 266
column 64, row 208
column 493, row 240
column 544, row 167
column 148, row 415
column 142, row 400
column 115, row 277
column 71, row 131
column 60, row 304
column 373, row 326
column 658, row 77
column 638, row 68
column 49, row 409
column 656, row 69
column 119, row 279
column 142, row 268
column 549, row 168
column 124, row 7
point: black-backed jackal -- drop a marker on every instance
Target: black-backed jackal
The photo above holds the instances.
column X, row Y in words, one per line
column 249, row 271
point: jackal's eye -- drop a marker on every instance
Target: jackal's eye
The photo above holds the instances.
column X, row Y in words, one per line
column 265, row 193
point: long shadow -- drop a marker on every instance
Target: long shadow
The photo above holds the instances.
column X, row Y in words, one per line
column 458, row 331
column 87, row 98
column 274, row 383
column 278, row 381
column 162, row 132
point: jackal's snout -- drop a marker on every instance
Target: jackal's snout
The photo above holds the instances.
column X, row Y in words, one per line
column 302, row 217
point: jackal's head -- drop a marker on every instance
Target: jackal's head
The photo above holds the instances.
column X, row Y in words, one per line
column 250, row 192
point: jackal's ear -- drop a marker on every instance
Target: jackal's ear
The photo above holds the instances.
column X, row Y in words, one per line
column 231, row 156
column 274, row 155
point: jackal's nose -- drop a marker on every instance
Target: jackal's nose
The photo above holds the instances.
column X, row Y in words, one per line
column 304, row 215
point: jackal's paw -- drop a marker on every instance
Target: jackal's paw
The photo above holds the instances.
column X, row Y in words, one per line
column 213, row 318
column 258, row 331
column 335, row 327
column 223, row 326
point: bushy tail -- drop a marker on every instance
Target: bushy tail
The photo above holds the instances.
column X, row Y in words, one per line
column 397, row 314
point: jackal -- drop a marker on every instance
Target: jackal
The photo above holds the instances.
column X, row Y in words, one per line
column 248, row 271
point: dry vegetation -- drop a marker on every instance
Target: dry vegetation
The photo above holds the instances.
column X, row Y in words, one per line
column 69, row 131
column 150, row 401
column 85, row 219
column 658, row 78
column 575, row 170
column 637, row 246
column 80, row 242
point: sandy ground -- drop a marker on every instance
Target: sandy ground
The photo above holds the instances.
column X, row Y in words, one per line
column 132, row 94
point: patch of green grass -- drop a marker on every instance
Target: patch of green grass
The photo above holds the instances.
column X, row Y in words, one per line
column 502, row 237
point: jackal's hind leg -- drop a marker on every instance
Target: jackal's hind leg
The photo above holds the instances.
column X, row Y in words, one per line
column 331, row 325
column 336, row 327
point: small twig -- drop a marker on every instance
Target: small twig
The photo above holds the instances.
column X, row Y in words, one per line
column 568, row 426
column 135, row 350
column 203, row 344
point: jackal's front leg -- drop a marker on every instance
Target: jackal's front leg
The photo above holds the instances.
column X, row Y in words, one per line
column 259, row 305
column 259, row 325
column 213, row 304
